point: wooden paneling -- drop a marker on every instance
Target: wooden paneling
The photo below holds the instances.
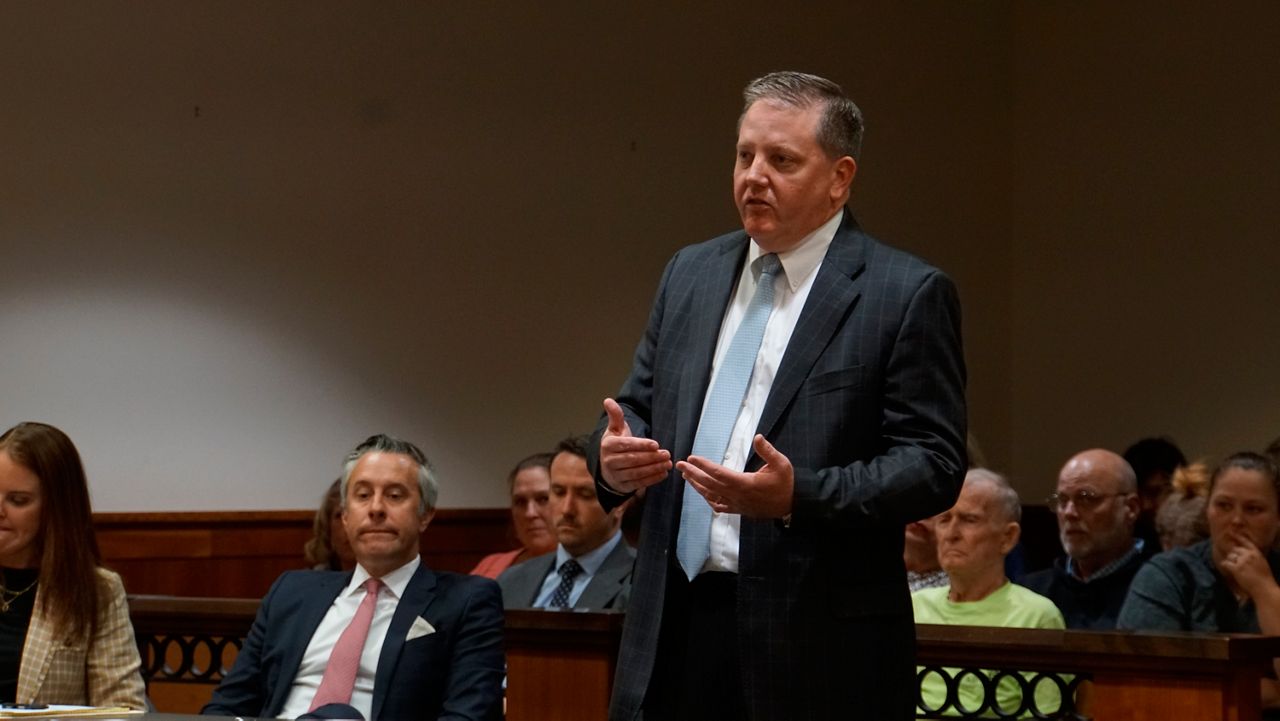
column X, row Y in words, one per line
column 238, row 554
column 545, row 649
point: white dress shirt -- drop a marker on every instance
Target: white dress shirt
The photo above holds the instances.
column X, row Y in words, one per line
column 339, row 616
column 791, row 289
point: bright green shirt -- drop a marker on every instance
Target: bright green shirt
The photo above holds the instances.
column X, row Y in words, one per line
column 1009, row 606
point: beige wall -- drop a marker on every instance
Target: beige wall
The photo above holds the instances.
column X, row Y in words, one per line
column 1145, row 244
column 238, row 237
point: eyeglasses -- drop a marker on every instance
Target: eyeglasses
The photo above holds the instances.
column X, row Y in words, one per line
column 1083, row 500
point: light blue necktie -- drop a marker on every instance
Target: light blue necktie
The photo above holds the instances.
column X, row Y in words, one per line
column 721, row 413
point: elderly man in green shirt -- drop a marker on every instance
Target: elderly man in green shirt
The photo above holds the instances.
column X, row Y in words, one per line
column 974, row 536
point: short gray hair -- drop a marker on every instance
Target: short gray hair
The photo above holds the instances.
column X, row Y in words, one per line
column 840, row 128
column 1006, row 496
column 428, row 489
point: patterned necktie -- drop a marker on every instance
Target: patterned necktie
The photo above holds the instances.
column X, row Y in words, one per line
column 568, row 571
column 721, row 413
column 344, row 661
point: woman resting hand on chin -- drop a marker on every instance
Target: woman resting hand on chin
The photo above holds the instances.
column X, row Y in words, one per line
column 1227, row 584
column 65, row 635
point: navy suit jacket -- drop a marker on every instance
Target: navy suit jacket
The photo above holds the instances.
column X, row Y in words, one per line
column 868, row 404
column 454, row 673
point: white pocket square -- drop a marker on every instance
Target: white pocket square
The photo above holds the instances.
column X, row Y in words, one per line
column 420, row 628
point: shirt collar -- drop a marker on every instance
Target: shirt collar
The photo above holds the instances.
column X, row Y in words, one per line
column 592, row 560
column 804, row 258
column 396, row 581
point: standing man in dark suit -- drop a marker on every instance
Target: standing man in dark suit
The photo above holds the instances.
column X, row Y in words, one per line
column 391, row 640
column 786, row 430
column 591, row 566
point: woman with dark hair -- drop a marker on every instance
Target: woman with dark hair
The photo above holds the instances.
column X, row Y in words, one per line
column 329, row 549
column 65, row 636
column 1225, row 584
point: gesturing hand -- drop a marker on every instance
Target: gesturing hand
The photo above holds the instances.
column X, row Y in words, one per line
column 629, row 463
column 765, row 493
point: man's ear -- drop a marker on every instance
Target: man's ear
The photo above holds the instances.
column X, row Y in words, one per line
column 1012, row 532
column 620, row 510
column 426, row 519
column 842, row 177
column 1132, row 507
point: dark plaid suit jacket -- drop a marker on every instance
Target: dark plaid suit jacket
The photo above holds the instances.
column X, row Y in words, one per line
column 868, row 404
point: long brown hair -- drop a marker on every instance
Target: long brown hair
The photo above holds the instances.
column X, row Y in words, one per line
column 67, row 547
column 319, row 550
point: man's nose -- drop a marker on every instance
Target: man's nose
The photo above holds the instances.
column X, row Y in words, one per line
column 755, row 173
column 530, row 510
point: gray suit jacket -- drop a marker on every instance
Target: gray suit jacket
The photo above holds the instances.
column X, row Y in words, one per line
column 868, row 404
column 608, row 589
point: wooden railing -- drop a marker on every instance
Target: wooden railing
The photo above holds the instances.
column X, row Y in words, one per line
column 189, row 642
column 1134, row 676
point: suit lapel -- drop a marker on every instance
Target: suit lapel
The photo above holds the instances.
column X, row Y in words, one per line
column 604, row 585
column 537, row 573
column 36, row 653
column 713, row 286
column 834, row 292
column 417, row 596
column 312, row 612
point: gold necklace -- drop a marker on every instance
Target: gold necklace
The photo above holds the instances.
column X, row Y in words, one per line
column 7, row 597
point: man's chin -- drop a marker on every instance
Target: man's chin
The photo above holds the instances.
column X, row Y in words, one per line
column 759, row 226
column 379, row 548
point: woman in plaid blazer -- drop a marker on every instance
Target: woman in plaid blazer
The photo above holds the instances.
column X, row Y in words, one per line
column 65, row 635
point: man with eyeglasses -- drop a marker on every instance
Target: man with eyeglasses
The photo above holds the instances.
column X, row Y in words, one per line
column 1097, row 504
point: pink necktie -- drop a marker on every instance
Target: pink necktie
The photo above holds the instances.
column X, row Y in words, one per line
column 340, row 675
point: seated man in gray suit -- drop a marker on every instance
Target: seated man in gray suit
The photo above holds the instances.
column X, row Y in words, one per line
column 591, row 566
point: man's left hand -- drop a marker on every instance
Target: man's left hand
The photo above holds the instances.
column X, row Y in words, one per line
column 765, row 493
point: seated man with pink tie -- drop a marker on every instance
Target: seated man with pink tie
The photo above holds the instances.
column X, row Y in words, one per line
column 391, row 639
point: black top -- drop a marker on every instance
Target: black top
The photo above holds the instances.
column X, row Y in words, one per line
column 1094, row 605
column 13, row 624
column 1182, row 590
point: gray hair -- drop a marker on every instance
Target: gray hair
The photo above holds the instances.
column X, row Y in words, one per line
column 428, row 490
column 840, row 128
column 1006, row 496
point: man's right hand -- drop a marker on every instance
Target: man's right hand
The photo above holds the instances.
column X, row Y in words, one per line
column 629, row 463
